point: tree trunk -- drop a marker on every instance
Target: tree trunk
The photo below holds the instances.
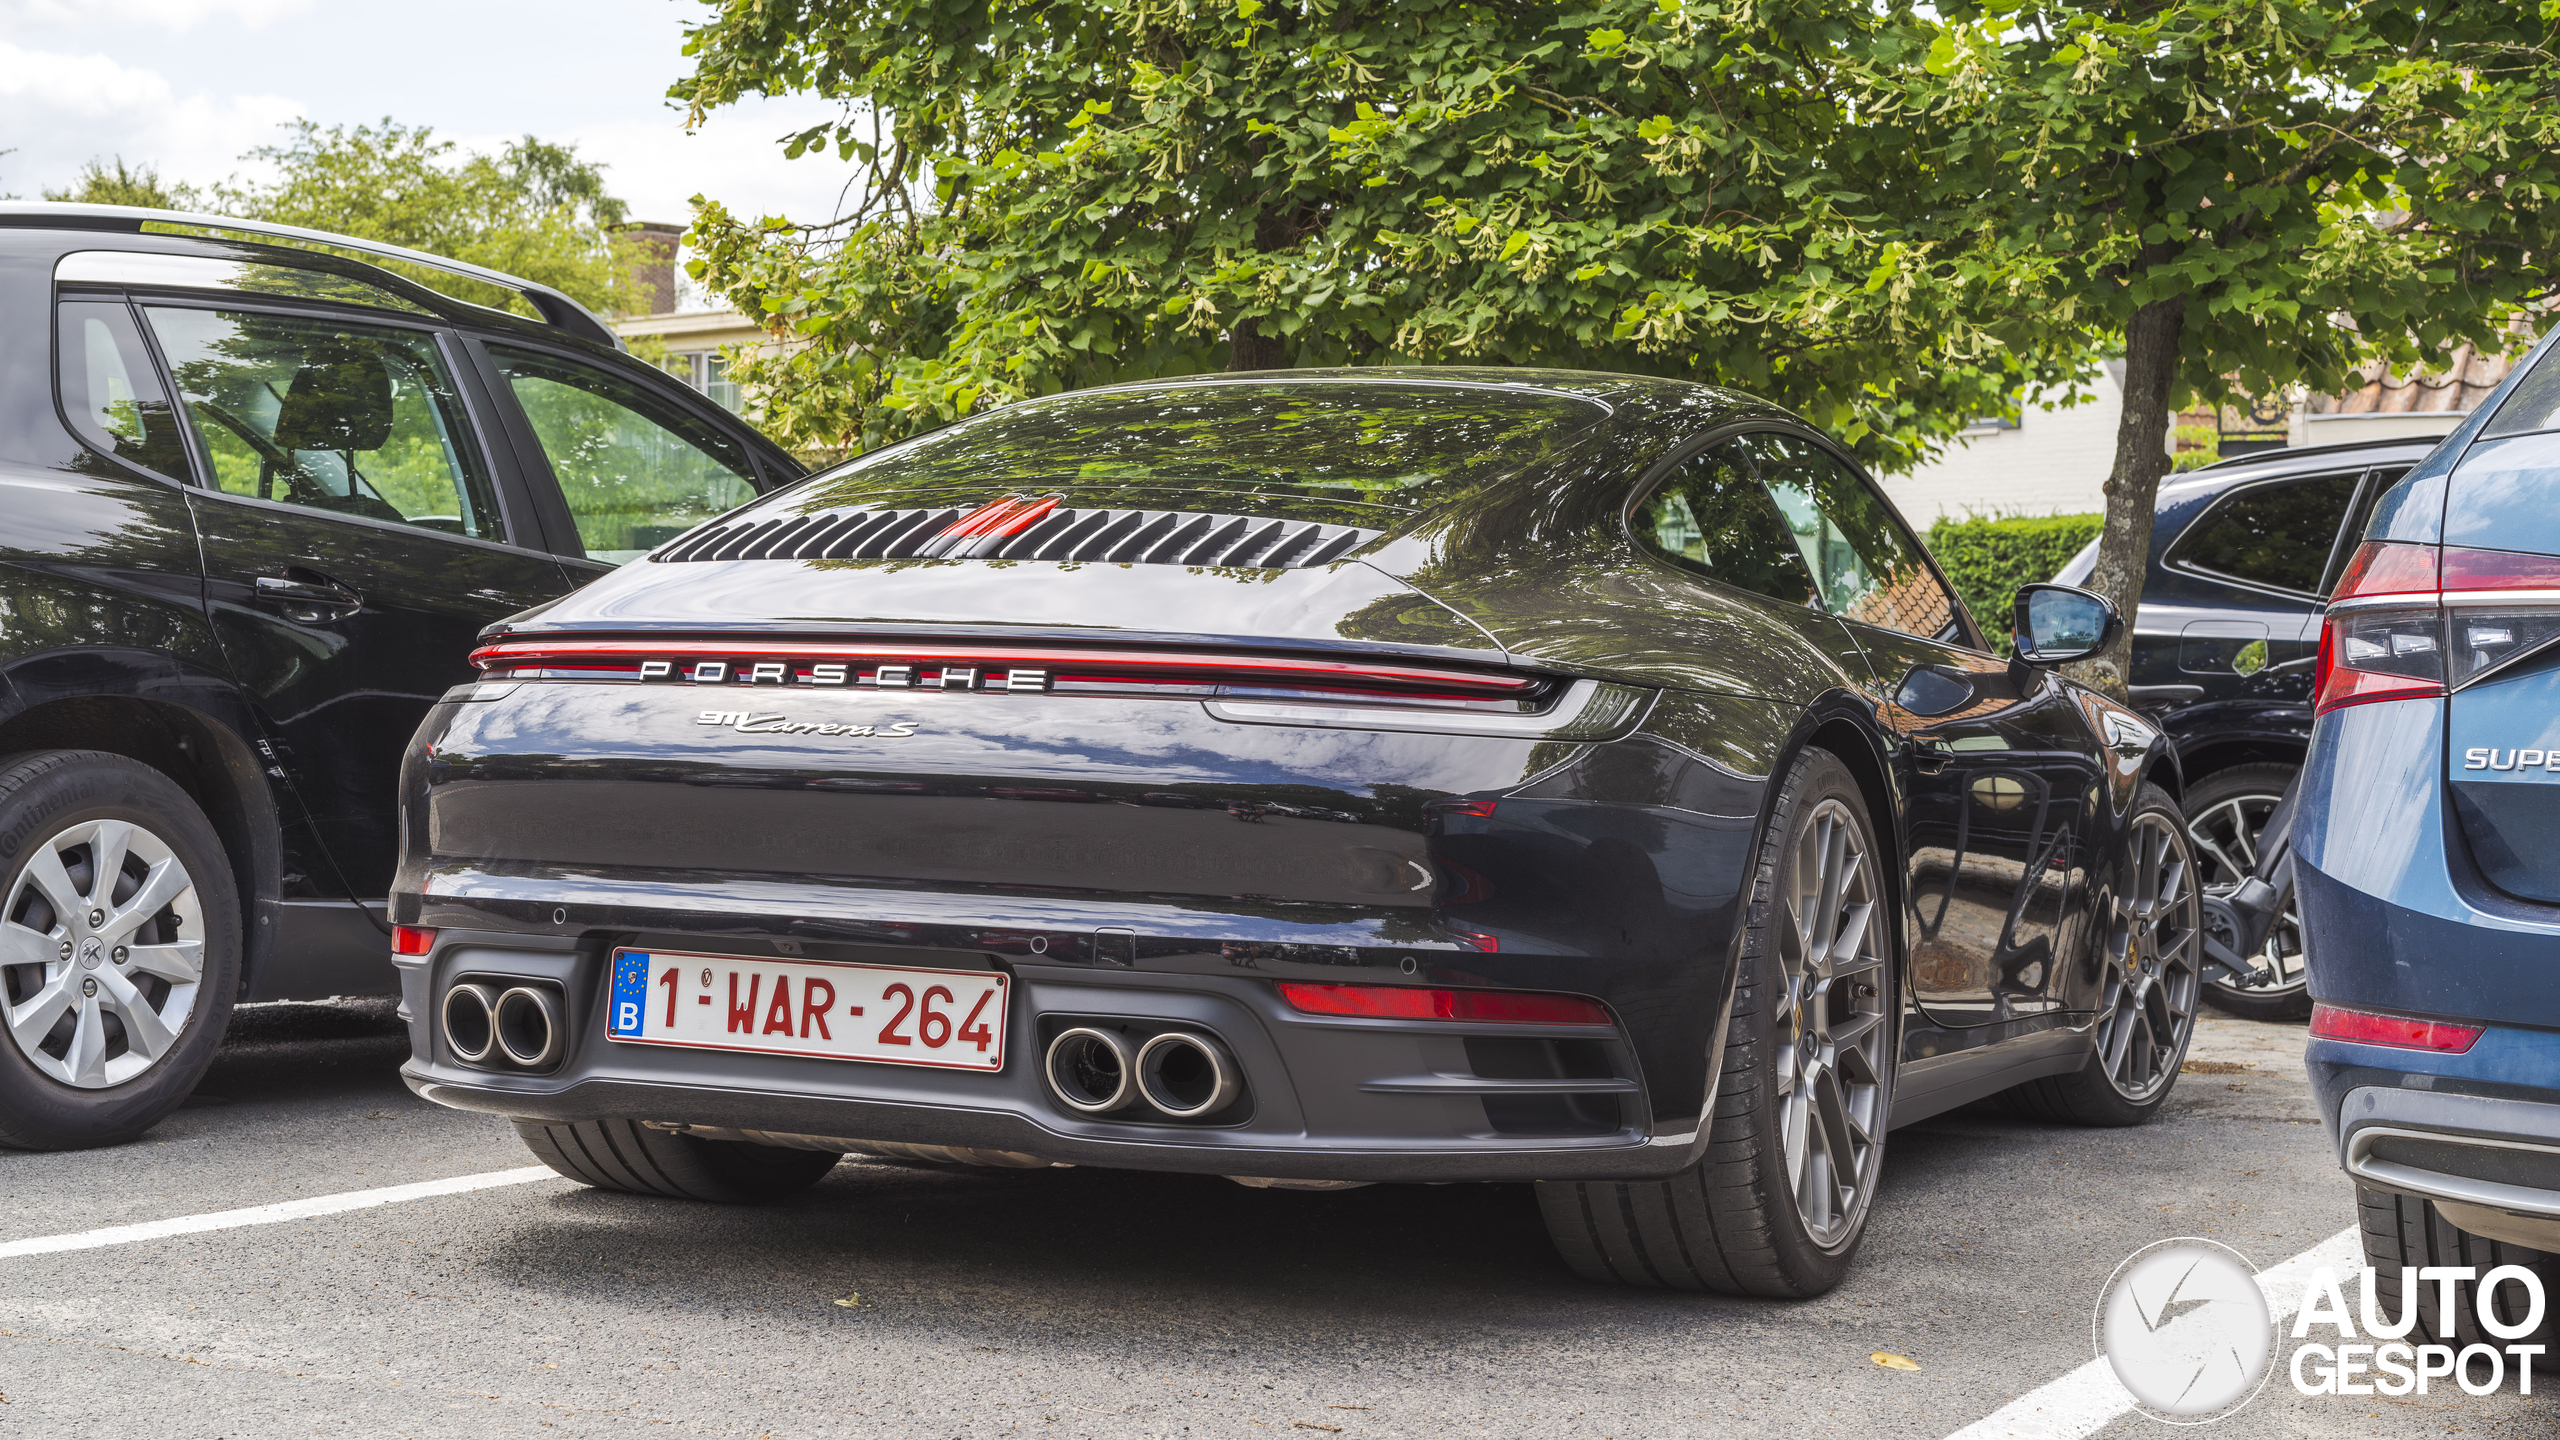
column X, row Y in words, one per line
column 2133, row 486
column 1250, row 349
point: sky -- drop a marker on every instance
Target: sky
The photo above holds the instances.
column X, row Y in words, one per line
column 188, row 86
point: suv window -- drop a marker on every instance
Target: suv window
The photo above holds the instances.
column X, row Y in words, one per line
column 636, row 471
column 2278, row 535
column 1865, row 565
column 1710, row 516
column 352, row 419
column 111, row 391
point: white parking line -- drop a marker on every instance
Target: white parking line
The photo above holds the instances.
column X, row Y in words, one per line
column 275, row 1214
column 2090, row 1398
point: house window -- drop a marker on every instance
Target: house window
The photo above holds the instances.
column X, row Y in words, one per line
column 706, row 371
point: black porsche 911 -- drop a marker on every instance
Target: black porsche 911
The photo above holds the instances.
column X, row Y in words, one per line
column 1314, row 779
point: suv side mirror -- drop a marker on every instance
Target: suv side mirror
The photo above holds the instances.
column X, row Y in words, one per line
column 2056, row 623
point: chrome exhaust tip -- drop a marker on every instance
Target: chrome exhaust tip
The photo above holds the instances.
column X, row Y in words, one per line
column 469, row 1029
column 1185, row 1075
column 1089, row 1070
column 527, row 1024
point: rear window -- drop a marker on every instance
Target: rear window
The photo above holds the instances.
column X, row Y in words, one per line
column 1354, row 453
column 2277, row 535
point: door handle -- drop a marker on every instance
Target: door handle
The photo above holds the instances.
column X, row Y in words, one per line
column 306, row 589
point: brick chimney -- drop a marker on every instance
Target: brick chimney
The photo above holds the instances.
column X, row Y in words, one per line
column 651, row 245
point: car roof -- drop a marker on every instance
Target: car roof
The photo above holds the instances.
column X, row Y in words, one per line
column 557, row 310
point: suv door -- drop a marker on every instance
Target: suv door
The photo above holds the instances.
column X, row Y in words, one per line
column 1996, row 757
column 2239, row 616
column 357, row 535
column 630, row 468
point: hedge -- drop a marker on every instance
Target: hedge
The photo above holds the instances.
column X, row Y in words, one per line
column 1989, row 559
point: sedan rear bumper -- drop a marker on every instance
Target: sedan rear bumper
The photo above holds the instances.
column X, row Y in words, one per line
column 1326, row 1097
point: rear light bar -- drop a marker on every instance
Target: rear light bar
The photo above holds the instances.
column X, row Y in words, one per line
column 2412, row 621
column 994, row 667
column 1412, row 1002
column 2365, row 1027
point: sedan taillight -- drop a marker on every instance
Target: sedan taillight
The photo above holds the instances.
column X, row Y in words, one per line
column 2412, row 621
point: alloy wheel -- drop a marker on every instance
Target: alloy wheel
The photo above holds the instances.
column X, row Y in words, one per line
column 2155, row 949
column 1832, row 1058
column 101, row 953
column 2225, row 836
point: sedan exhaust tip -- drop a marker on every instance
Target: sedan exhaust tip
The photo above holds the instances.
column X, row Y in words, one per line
column 469, row 1027
column 1090, row 1071
column 1186, row 1076
column 528, row 1028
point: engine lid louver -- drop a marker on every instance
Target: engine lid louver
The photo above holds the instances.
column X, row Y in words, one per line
column 1018, row 527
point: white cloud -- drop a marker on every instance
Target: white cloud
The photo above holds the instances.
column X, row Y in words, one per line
column 66, row 110
column 172, row 14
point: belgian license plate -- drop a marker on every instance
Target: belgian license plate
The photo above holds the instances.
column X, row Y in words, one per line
column 887, row 1014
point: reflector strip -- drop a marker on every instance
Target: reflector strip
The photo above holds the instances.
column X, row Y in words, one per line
column 1410, row 1002
column 2364, row 1027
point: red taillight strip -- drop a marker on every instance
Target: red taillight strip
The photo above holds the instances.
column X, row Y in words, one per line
column 2404, row 1032
column 538, row 652
column 1413, row 1002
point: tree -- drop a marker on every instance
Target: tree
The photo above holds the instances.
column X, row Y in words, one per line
column 1048, row 196
column 135, row 185
column 2253, row 196
column 533, row 210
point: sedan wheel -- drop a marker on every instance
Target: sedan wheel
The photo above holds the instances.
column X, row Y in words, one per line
column 1831, row 1064
column 2154, row 956
column 2151, row 947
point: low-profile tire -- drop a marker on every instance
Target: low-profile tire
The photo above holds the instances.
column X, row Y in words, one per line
column 2401, row 1230
column 2151, row 945
column 2225, row 811
column 631, row 1157
column 1807, row 1076
column 118, row 918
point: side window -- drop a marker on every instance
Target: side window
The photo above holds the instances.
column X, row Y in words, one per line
column 353, row 419
column 1711, row 516
column 1865, row 565
column 2278, row 535
column 110, row 390
column 636, row 471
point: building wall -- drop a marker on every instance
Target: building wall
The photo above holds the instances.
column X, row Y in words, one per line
column 2054, row 462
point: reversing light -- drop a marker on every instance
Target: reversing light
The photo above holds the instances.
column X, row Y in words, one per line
column 410, row 940
column 1413, row 1002
column 2364, row 1027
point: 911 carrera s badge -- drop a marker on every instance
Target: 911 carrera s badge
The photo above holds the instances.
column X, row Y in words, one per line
column 750, row 722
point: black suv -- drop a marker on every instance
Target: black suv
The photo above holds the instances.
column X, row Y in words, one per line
column 256, row 502
column 2243, row 554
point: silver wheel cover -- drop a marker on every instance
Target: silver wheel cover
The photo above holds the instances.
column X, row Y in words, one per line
column 2225, row 837
column 1831, row 1030
column 101, row 953
column 2155, row 952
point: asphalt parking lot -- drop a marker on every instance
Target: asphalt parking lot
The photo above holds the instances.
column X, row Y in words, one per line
column 901, row 1302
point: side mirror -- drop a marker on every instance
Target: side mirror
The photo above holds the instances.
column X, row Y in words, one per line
column 2058, row 623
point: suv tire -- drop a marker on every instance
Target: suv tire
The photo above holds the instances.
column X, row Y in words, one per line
column 1733, row 1222
column 636, row 1159
column 141, row 999
column 2214, row 803
column 2402, row 1230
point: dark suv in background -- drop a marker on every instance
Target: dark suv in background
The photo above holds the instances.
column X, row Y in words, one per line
column 2243, row 553
column 256, row 502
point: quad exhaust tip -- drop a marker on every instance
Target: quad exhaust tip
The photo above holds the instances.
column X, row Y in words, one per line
column 527, row 1022
column 470, row 1028
column 1185, row 1075
column 1090, row 1071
